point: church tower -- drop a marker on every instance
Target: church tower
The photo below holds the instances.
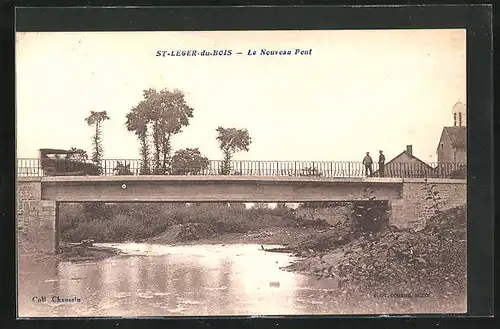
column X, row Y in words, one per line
column 459, row 114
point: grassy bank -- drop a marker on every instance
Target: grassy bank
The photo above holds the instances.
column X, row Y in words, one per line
column 139, row 222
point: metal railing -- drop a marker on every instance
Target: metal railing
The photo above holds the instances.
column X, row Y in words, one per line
column 35, row 167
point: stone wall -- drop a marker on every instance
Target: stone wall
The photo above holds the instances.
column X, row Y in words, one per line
column 417, row 205
column 36, row 219
column 28, row 199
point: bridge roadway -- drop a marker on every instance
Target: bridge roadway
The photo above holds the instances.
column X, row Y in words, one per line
column 38, row 198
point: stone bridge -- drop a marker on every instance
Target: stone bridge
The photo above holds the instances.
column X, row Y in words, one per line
column 38, row 198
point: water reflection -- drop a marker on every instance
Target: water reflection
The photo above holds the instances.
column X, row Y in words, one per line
column 159, row 280
column 155, row 280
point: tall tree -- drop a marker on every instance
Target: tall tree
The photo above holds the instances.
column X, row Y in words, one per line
column 96, row 118
column 137, row 121
column 188, row 161
column 232, row 140
column 166, row 112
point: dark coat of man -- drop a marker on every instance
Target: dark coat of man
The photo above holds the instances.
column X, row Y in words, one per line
column 381, row 164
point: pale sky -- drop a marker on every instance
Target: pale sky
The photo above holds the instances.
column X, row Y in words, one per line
column 358, row 91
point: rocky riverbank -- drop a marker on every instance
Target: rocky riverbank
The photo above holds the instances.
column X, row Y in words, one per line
column 79, row 252
column 431, row 261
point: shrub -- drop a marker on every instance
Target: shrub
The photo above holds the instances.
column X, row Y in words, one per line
column 121, row 222
column 370, row 214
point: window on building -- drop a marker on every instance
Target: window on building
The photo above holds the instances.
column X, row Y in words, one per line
column 460, row 119
column 442, row 146
column 454, row 119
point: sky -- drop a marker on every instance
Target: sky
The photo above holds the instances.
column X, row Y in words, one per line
column 357, row 91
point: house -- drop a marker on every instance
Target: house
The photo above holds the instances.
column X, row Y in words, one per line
column 406, row 164
column 452, row 147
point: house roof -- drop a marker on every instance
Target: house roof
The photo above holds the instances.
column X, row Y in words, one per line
column 405, row 152
column 457, row 135
column 411, row 156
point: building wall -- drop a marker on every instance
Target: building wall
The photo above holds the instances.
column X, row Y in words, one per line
column 460, row 156
column 445, row 152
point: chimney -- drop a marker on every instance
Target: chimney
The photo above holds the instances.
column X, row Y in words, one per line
column 409, row 149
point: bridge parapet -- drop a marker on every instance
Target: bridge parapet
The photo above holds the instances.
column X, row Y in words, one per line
column 346, row 169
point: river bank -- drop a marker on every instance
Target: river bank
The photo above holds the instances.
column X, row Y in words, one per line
column 429, row 263
column 69, row 252
column 283, row 236
column 176, row 236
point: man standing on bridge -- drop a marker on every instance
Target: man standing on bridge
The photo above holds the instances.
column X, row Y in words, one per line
column 381, row 164
column 367, row 161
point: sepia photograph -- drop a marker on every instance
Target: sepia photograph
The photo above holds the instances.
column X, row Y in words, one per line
column 252, row 173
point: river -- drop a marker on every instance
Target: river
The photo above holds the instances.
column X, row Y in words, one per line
column 158, row 280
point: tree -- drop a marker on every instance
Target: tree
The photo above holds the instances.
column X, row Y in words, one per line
column 166, row 113
column 281, row 205
column 77, row 154
column 137, row 121
column 261, row 205
column 232, row 140
column 122, row 169
column 188, row 161
column 96, row 118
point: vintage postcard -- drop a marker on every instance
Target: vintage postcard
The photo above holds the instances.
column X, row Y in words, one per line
column 241, row 173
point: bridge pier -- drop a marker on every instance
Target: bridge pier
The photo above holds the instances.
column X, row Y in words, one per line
column 37, row 220
column 421, row 198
